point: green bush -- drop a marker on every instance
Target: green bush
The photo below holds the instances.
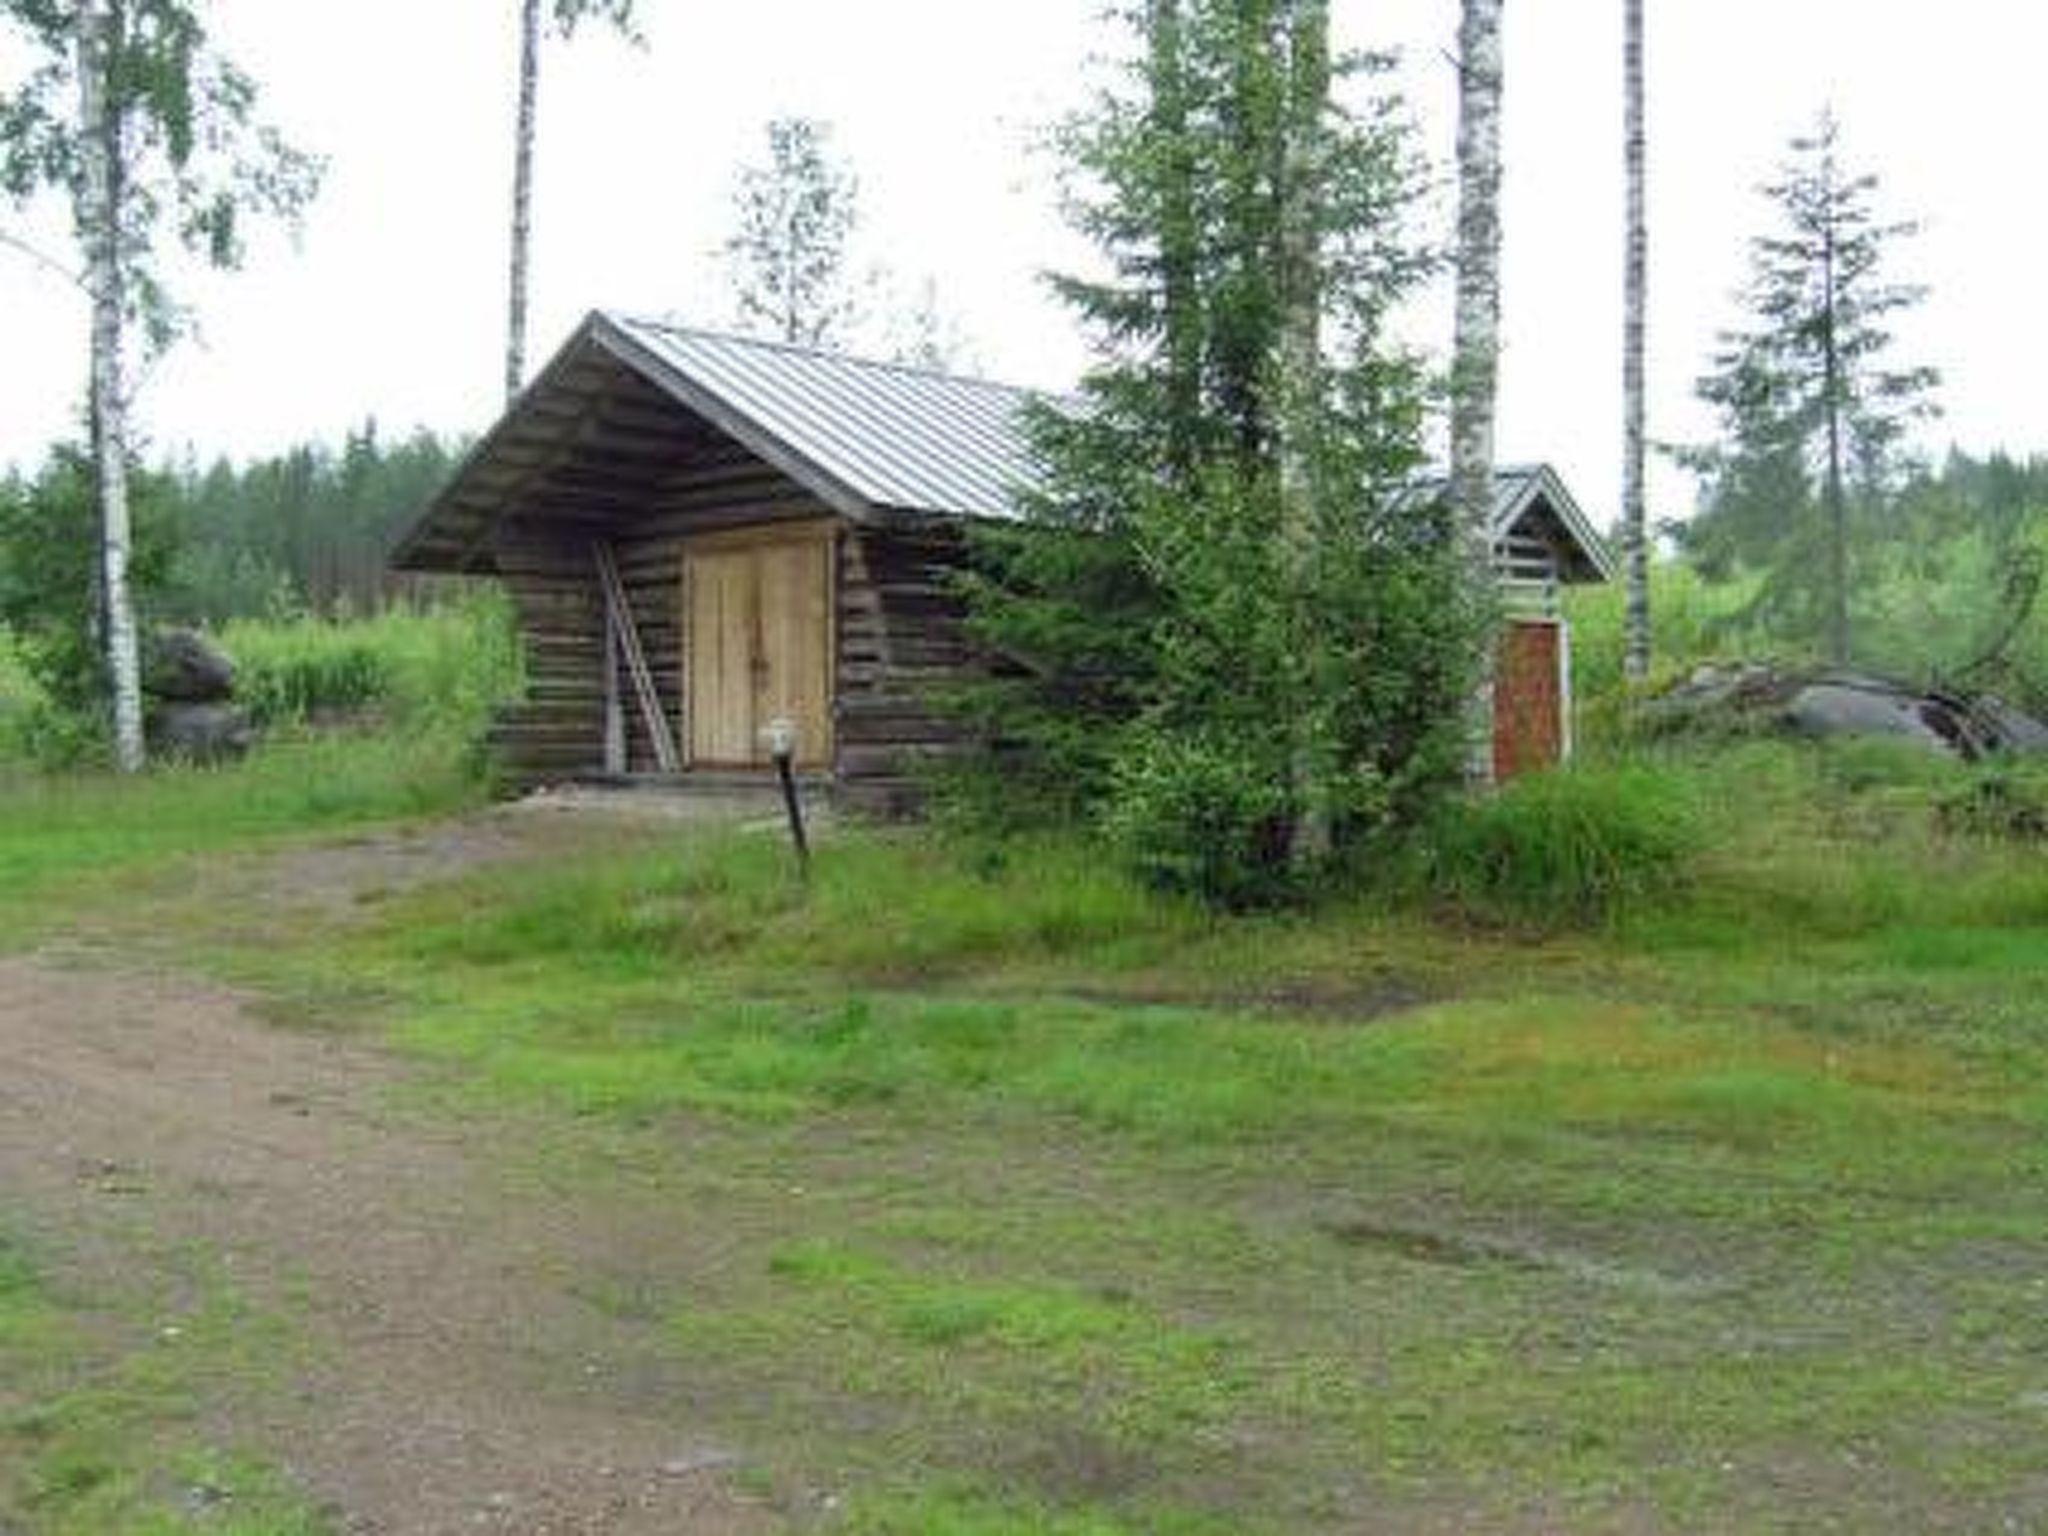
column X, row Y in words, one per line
column 1570, row 846
column 1206, row 819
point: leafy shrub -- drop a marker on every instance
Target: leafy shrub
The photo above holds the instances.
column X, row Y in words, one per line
column 1574, row 845
column 49, row 580
column 1203, row 818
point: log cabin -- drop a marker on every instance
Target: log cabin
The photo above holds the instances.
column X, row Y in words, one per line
column 702, row 535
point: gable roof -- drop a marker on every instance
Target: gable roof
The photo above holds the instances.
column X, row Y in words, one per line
column 868, row 439
column 892, row 436
column 1529, row 496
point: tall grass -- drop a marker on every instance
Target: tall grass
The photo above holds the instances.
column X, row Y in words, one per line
column 447, row 665
column 1571, row 846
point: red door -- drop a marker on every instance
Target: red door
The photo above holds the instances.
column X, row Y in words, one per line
column 1528, row 698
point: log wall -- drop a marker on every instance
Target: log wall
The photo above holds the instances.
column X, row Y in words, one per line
column 557, row 730
column 899, row 633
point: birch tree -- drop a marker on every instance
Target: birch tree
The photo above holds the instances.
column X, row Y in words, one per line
column 567, row 16
column 794, row 216
column 1635, row 301
column 1301, row 364
column 151, row 136
column 1475, row 347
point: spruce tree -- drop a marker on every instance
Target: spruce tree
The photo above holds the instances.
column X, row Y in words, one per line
column 1812, row 415
column 1221, row 633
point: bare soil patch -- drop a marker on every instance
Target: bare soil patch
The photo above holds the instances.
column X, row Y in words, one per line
column 454, row 1379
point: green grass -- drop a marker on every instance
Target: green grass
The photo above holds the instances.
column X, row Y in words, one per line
column 101, row 1405
column 69, row 840
column 1015, row 1197
column 447, row 665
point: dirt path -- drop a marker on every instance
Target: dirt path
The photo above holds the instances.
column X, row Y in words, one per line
column 454, row 1378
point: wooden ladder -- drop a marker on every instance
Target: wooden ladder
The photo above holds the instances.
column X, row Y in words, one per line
column 622, row 638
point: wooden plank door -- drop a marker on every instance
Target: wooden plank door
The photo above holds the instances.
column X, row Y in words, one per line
column 793, row 581
column 1528, row 698
column 720, row 659
column 759, row 644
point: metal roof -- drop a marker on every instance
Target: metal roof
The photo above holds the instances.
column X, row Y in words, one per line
column 866, row 438
column 1521, row 491
column 877, row 433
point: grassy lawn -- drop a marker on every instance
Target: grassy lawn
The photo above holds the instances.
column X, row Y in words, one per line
column 101, row 1404
column 1035, row 1202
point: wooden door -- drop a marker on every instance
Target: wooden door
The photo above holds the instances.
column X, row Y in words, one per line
column 1528, row 698
column 758, row 644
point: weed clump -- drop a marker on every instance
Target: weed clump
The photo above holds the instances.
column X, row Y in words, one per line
column 1572, row 846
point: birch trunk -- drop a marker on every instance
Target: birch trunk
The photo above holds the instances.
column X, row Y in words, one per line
column 522, row 195
column 1301, row 384
column 100, row 219
column 1475, row 359
column 1634, row 514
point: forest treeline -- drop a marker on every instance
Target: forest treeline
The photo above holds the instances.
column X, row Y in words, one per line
column 1945, row 572
column 1941, row 565
column 305, row 531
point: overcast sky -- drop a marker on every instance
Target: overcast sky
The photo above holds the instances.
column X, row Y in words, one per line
column 392, row 303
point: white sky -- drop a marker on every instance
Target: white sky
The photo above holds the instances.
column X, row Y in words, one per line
column 393, row 302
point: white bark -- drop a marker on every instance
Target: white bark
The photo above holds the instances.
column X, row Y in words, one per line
column 100, row 225
column 1475, row 360
column 522, row 195
column 1301, row 383
column 1634, row 514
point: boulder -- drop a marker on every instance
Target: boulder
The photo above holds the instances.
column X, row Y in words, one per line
column 185, row 667
column 201, row 733
column 1749, row 697
column 1861, row 706
column 2016, row 730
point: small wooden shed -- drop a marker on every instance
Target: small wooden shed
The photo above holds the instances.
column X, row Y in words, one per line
column 702, row 535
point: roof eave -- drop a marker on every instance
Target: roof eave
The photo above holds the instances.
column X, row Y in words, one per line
column 474, row 558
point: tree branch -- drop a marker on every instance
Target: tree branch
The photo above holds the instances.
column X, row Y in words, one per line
column 44, row 260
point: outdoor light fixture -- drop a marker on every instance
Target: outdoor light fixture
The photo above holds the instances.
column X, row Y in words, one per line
column 781, row 736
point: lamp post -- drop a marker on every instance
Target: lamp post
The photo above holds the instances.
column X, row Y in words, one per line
column 781, row 734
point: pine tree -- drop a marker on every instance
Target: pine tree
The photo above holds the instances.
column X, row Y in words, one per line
column 1805, row 395
column 568, row 15
column 131, row 116
column 1223, row 636
column 794, row 215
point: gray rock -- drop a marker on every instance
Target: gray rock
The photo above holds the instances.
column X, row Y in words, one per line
column 201, row 733
column 2015, row 731
column 1848, row 706
column 1749, row 698
column 185, row 667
